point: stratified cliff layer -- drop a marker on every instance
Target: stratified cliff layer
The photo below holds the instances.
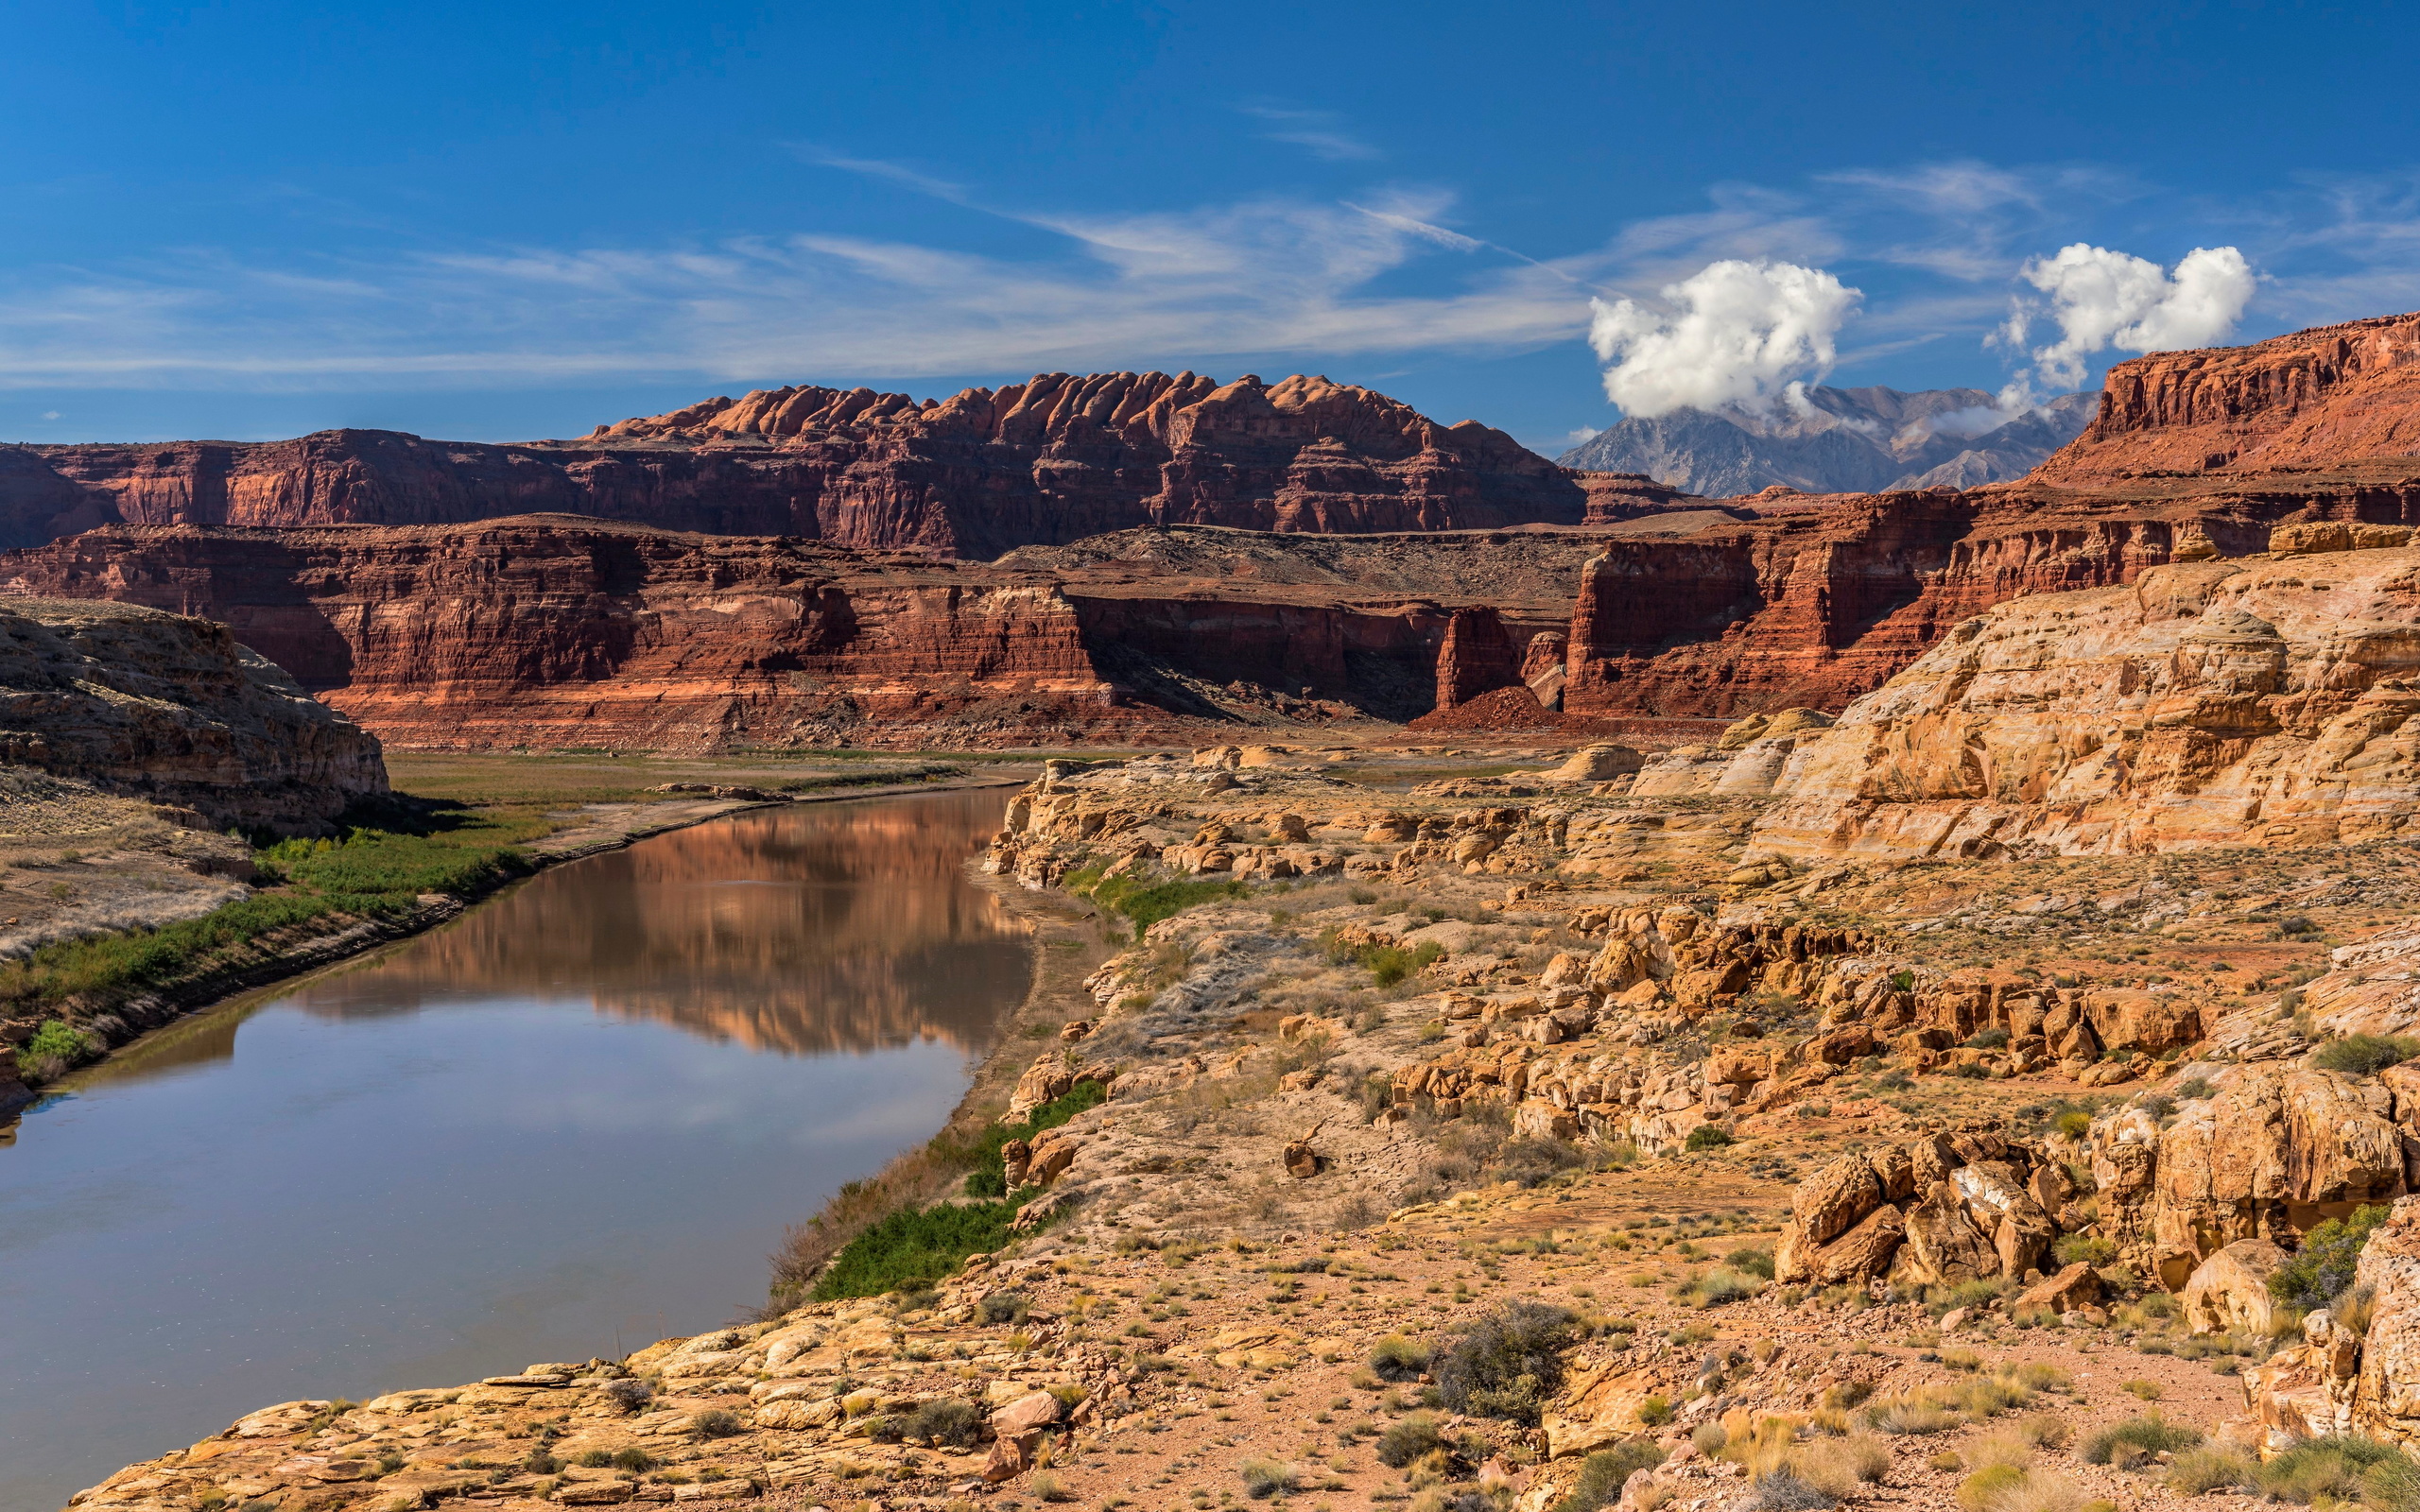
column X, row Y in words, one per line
column 1050, row 460
column 171, row 709
column 2208, row 704
column 556, row 631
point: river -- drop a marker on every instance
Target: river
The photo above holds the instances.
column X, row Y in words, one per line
column 574, row 1121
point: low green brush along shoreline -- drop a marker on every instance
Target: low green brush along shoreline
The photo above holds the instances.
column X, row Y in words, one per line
column 390, row 855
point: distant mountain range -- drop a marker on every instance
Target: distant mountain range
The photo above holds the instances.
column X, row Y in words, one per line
column 1840, row 441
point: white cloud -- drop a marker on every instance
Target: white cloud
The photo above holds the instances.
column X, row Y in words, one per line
column 1318, row 132
column 1733, row 333
column 2102, row 298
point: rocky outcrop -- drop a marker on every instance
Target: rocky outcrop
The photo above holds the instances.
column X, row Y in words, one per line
column 2276, row 1149
column 1053, row 460
column 173, row 710
column 2322, row 397
column 2208, row 704
column 1967, row 1206
column 1478, row 656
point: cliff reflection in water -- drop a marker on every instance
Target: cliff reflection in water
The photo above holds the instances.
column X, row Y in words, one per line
column 802, row 929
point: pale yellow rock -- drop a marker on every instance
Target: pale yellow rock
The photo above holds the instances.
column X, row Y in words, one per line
column 2229, row 1293
column 2208, row 704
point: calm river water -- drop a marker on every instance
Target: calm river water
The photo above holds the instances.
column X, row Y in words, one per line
column 573, row 1121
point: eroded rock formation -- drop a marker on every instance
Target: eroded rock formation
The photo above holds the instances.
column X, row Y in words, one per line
column 171, row 709
column 1053, row 460
column 2207, row 704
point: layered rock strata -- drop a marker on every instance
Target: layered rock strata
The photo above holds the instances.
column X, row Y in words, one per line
column 1052, row 459
column 171, row 709
column 2208, row 704
column 560, row 630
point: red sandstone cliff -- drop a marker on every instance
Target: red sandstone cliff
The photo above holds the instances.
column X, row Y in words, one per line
column 1051, row 460
column 2319, row 399
column 555, row 630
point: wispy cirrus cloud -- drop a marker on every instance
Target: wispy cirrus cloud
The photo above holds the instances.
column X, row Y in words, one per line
column 1320, row 133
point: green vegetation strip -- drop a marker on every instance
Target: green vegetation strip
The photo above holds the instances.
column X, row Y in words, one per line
column 920, row 1246
column 378, row 867
column 1146, row 902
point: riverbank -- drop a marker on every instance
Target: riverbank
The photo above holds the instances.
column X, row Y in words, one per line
column 555, row 810
column 1451, row 1123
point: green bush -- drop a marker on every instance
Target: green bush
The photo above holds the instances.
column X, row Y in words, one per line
column 2151, row 1432
column 1265, row 1478
column 947, row 1421
column 1752, row 1262
column 1709, row 1137
column 715, row 1423
column 1397, row 1358
column 1604, row 1474
column 989, row 1177
column 1508, row 1364
column 1391, row 964
column 2332, row 1469
column 1717, row 1286
column 914, row 1244
column 1655, row 1410
column 2322, row 1269
column 56, row 1047
column 1408, row 1438
column 2090, row 1248
column 2364, row 1055
column 1144, row 903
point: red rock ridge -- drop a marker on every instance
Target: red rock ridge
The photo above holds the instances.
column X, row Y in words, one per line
column 2313, row 399
column 1051, row 460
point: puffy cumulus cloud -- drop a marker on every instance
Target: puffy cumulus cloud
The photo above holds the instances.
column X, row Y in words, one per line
column 2102, row 298
column 1734, row 332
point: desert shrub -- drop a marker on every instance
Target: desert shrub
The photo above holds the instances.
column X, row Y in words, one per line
column 2045, row 1430
column 1391, row 964
column 2364, row 1055
column 1840, row 1466
column 1708, row 1137
column 2323, row 1268
column 716, row 1424
column 1719, row 1285
column 1783, row 1491
column 990, row 1176
column 539, row 1461
column 1991, row 1038
column 1909, row 1413
column 1508, row 1364
column 1709, row 1437
column 947, row 1421
column 1397, row 1358
column 1655, row 1410
column 1604, row 1474
column 2200, row 1470
column 1004, row 1307
column 1265, row 1478
column 1408, row 1438
column 2037, row 1375
column 629, row 1394
column 2092, row 1249
column 2332, row 1467
column 1977, row 1492
column 1752, row 1262
column 1989, row 1396
column 633, row 1460
column 2150, row 1433
column 2075, row 1123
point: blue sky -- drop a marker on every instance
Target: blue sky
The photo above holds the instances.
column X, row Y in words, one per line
column 506, row 221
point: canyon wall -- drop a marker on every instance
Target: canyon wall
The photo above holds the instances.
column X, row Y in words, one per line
column 1051, row 460
column 558, row 630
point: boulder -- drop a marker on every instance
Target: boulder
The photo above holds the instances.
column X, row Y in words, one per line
column 2387, row 1402
column 1829, row 1203
column 2229, row 1293
column 1864, row 1250
column 2074, row 1287
column 1943, row 1243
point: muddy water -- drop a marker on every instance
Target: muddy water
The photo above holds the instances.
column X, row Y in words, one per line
column 573, row 1121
